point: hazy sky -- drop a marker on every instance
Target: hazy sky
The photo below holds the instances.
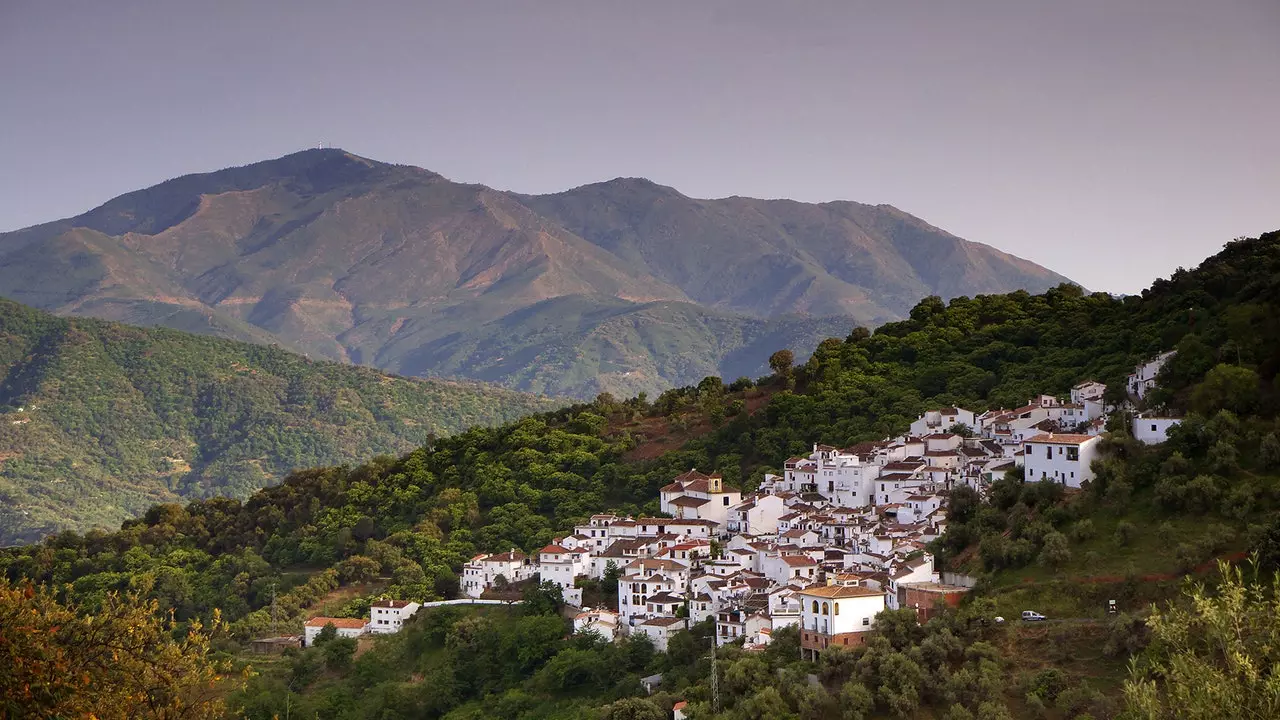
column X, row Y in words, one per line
column 1109, row 140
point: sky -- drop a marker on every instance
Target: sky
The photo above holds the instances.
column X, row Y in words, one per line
column 1110, row 140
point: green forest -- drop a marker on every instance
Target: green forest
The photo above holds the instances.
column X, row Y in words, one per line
column 334, row 538
column 99, row 421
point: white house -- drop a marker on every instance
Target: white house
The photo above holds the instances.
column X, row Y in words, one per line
column 660, row 630
column 782, row 569
column 1153, row 430
column 697, row 496
column 603, row 622
column 1143, row 378
column 1061, row 458
column 479, row 574
column 388, row 616
column 757, row 515
column 942, row 419
column 561, row 565
column 346, row 627
column 644, row 578
column 836, row 615
column 838, row 476
column 1089, row 389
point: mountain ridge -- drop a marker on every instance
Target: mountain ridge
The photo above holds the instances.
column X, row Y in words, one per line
column 351, row 259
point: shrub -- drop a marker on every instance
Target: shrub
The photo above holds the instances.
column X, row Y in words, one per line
column 1083, row 531
column 1125, row 532
column 1048, row 684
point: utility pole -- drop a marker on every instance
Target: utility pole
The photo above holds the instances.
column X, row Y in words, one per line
column 715, row 678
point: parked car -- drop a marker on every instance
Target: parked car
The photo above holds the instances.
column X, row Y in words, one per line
column 1031, row 616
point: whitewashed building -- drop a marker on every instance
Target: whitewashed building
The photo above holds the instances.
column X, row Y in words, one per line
column 1153, row 429
column 346, row 627
column 388, row 616
column 1062, row 458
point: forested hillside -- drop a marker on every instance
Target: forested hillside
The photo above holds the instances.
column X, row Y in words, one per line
column 405, row 525
column 99, row 421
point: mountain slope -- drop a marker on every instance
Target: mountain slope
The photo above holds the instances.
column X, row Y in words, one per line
column 345, row 258
column 99, row 421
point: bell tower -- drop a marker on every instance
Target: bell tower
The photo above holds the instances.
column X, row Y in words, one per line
column 715, row 484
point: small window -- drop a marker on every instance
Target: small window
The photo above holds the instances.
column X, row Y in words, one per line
column 726, row 499
column 826, row 610
column 866, row 621
column 1153, row 427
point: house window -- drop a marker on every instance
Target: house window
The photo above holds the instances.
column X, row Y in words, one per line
column 726, row 499
column 1048, row 453
column 866, row 621
column 1073, row 454
column 1153, row 427
column 815, row 607
column 835, row 609
column 826, row 609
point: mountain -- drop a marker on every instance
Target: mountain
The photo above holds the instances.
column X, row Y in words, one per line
column 396, row 267
column 98, row 420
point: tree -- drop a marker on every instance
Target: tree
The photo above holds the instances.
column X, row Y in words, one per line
column 120, row 661
column 338, row 653
column 1055, row 552
column 358, row 569
column 1214, row 657
column 1226, row 387
column 327, row 633
column 545, row 598
column 633, row 709
column 781, row 363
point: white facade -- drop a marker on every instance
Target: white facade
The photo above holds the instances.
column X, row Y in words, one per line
column 603, row 622
column 388, row 616
column 561, row 565
column 479, row 574
column 1143, row 378
column 660, row 630
column 942, row 419
column 1153, row 430
column 757, row 516
column 346, row 627
column 836, row 610
column 839, row 477
column 1064, row 459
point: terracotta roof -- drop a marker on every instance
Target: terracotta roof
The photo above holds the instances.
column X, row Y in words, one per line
column 344, row 623
column 693, row 474
column 686, row 501
column 663, row 621
column 836, row 592
column 553, row 549
column 394, row 604
column 1061, row 439
column 799, row 560
column 513, row 556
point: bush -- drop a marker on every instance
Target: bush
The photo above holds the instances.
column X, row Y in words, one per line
column 1188, row 556
column 1125, row 532
column 1083, row 531
column 1048, row 684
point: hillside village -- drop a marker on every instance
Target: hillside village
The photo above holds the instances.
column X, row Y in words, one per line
column 839, row 536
